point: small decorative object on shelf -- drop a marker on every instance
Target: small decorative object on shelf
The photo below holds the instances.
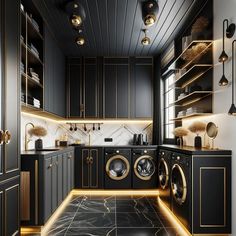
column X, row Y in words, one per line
column 199, row 28
column 180, row 132
column 194, row 51
column 197, row 127
column 39, row 132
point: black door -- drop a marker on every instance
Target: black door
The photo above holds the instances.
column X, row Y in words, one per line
column 54, row 183
column 59, row 179
column 9, row 116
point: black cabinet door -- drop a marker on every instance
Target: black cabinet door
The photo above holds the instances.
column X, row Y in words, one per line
column 65, row 176
column 142, row 86
column 90, row 91
column 48, row 71
column 110, row 91
column 9, row 207
column 88, row 166
column 75, row 89
column 47, row 190
column 54, row 76
column 59, row 179
column 123, row 91
column 54, row 183
column 10, row 116
column 85, row 178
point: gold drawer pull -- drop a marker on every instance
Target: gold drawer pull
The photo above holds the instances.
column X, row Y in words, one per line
column 2, row 135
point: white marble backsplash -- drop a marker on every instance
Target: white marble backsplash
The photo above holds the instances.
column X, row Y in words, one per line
column 122, row 134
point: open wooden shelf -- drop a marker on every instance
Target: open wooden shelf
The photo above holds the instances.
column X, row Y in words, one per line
column 28, row 107
column 192, row 97
column 194, row 73
column 33, row 33
column 191, row 115
column 179, row 63
column 31, row 82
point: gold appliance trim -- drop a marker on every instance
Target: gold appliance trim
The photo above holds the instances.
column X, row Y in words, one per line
column 119, row 157
column 183, row 199
column 167, row 173
column 146, row 178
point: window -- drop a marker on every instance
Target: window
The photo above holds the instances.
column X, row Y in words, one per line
column 169, row 110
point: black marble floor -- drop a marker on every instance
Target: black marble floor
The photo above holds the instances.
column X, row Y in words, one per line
column 113, row 216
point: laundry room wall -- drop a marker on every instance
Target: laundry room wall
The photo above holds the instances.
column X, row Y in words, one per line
column 121, row 133
column 222, row 96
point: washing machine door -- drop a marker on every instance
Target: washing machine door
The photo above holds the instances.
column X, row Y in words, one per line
column 144, row 167
column 117, row 167
column 163, row 173
column 178, row 184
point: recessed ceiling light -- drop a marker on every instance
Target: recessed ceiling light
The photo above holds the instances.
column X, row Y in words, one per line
column 80, row 41
column 75, row 20
column 146, row 40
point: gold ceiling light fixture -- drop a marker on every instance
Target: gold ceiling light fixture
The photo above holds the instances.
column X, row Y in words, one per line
column 76, row 13
column 146, row 40
column 150, row 10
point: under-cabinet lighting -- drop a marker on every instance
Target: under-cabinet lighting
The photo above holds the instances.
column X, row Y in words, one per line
column 144, row 192
column 80, row 121
column 174, row 220
column 43, row 230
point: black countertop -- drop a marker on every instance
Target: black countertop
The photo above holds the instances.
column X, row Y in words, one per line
column 117, row 146
column 195, row 151
column 54, row 150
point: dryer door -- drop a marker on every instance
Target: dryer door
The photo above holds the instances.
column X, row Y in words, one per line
column 117, row 167
column 178, row 184
column 163, row 173
column 144, row 167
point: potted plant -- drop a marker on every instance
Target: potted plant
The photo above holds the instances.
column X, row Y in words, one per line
column 197, row 127
column 39, row 132
column 180, row 132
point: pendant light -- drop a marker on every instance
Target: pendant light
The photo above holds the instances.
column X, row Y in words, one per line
column 76, row 13
column 146, row 40
column 232, row 110
column 223, row 81
column 150, row 10
column 230, row 30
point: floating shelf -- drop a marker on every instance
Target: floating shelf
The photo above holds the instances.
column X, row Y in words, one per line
column 191, row 115
column 192, row 97
column 31, row 82
column 28, row 107
column 33, row 33
column 194, row 73
column 179, row 63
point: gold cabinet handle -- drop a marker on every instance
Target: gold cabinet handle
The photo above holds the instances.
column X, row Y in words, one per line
column 88, row 160
column 91, row 160
column 2, row 137
column 7, row 137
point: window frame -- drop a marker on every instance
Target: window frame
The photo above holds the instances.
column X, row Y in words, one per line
column 164, row 91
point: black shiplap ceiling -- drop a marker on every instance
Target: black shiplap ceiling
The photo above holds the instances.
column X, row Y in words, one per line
column 113, row 27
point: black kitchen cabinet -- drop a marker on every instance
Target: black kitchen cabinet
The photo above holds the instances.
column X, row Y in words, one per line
column 55, row 75
column 88, row 166
column 115, row 88
column 74, row 93
column 10, row 117
column 116, row 91
column 141, row 88
column 199, row 188
column 46, row 181
column 90, row 88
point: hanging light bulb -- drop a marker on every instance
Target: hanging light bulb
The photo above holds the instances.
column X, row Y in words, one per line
column 146, row 40
column 80, row 41
column 223, row 81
